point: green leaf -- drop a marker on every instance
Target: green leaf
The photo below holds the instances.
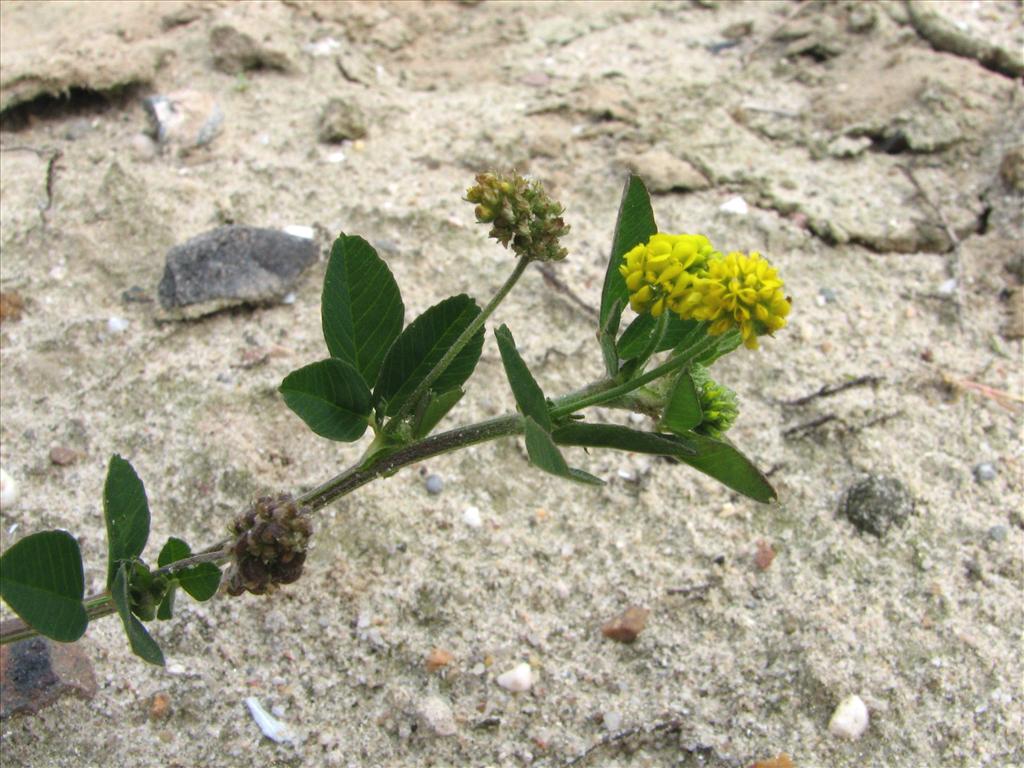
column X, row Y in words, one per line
column 331, row 397
column 623, row 439
column 422, row 345
column 683, row 411
column 174, row 550
column 200, row 581
column 126, row 512
column 166, row 608
column 719, row 459
column 635, row 225
column 727, row 343
column 544, row 454
column 716, row 458
column 142, row 644
column 42, row 579
column 434, row 408
column 527, row 392
column 361, row 307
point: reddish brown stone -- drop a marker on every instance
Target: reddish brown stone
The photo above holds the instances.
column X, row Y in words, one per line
column 37, row 672
column 626, row 627
column 764, row 556
column 62, row 456
column 159, row 706
column 11, row 305
column 438, row 658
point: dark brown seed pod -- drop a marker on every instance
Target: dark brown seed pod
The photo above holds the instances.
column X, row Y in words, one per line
column 271, row 539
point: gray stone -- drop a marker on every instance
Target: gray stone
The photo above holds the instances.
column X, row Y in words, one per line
column 233, row 265
column 434, row 484
column 876, row 504
column 985, row 472
column 998, row 533
column 341, row 119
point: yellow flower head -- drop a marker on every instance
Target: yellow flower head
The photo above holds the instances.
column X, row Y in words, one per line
column 738, row 291
column 660, row 271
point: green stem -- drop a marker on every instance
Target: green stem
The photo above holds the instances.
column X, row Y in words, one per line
column 612, row 391
column 454, row 349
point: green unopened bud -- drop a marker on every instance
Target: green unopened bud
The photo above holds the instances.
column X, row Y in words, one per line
column 521, row 214
column 717, row 402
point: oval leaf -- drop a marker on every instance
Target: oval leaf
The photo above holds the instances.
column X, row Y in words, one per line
column 635, row 225
column 41, row 578
column 143, row 646
column 422, row 345
column 199, row 581
column 126, row 512
column 331, row 397
column 683, row 411
column 361, row 307
column 544, row 454
column 527, row 392
column 716, row 458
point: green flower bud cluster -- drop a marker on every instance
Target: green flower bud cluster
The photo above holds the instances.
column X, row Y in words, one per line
column 146, row 591
column 718, row 404
column 521, row 215
column 270, row 545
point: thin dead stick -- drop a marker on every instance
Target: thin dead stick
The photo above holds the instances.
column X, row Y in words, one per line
column 553, row 280
column 667, row 726
column 828, row 390
column 1007, row 400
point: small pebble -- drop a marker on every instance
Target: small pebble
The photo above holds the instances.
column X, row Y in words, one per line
column 985, row 472
column 850, row 719
column 947, row 287
column 117, row 324
column 764, row 556
column 272, row 728
column 828, row 296
column 8, row 490
column 998, row 533
column 626, row 627
column 336, row 157
column 62, row 456
column 434, row 484
column 518, row 679
column 438, row 658
column 613, row 721
column 735, row 205
column 471, row 517
column 11, row 305
column 436, row 714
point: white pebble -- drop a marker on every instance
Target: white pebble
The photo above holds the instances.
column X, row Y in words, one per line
column 471, row 517
column 613, row 721
column 735, row 205
column 336, row 157
column 637, row 418
column 517, row 679
column 288, row 298
column 850, row 719
column 299, row 230
column 947, row 287
column 117, row 324
column 8, row 490
column 272, row 728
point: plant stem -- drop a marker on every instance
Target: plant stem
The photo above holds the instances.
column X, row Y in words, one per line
column 462, row 341
column 384, row 464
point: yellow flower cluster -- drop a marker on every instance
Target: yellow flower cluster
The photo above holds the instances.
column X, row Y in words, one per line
column 687, row 276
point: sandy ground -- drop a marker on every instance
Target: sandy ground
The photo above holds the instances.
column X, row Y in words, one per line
column 864, row 157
